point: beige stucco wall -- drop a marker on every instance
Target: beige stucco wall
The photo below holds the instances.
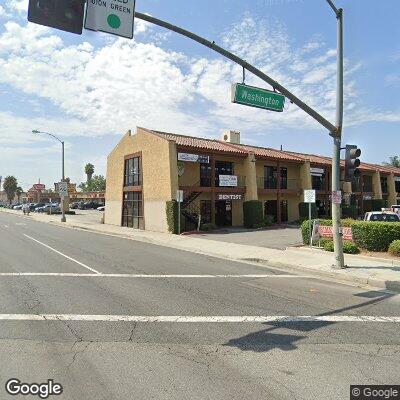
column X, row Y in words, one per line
column 159, row 177
column 237, row 213
column 251, row 178
column 115, row 178
column 191, row 175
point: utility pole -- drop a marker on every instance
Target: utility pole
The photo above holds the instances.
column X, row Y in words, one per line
column 337, row 141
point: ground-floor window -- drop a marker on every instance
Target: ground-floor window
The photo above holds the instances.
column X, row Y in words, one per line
column 205, row 210
column 223, row 213
column 132, row 210
column 271, row 210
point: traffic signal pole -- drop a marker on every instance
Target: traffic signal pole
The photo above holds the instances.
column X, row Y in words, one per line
column 335, row 131
column 337, row 141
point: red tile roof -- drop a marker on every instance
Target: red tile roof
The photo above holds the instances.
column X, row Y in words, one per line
column 200, row 143
column 242, row 149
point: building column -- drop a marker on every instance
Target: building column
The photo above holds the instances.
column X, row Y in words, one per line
column 251, row 177
column 279, row 196
column 392, row 198
column 212, row 159
column 376, row 185
column 305, row 178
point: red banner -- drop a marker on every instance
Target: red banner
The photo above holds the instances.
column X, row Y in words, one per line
column 326, row 231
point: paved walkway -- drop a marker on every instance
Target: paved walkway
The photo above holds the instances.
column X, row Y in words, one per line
column 362, row 270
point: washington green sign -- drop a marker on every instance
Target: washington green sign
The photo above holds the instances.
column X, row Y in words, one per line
column 257, row 97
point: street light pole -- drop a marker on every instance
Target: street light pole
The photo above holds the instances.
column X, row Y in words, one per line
column 35, row 131
column 337, row 139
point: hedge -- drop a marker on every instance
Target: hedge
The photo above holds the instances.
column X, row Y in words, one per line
column 378, row 204
column 348, row 247
column 253, row 214
column 394, row 248
column 375, row 236
column 172, row 216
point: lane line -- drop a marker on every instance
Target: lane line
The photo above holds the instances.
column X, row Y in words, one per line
column 197, row 319
column 149, row 276
column 64, row 255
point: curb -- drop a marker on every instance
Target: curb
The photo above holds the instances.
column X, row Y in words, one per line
column 336, row 276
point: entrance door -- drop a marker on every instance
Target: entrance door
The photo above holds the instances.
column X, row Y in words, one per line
column 223, row 213
column 271, row 209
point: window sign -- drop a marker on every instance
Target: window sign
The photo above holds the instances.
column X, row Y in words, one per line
column 317, row 171
column 228, row 180
column 194, row 158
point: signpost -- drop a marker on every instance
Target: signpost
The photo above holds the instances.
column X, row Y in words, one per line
column 63, row 189
column 179, row 199
column 310, row 197
column 257, row 97
column 111, row 16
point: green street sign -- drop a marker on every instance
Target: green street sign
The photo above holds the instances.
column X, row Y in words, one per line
column 257, row 97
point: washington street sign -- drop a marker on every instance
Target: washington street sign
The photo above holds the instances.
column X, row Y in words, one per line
column 257, row 97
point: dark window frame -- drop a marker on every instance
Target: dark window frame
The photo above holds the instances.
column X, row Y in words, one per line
column 132, row 210
column 132, row 164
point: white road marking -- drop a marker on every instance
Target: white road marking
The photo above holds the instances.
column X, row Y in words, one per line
column 157, row 276
column 64, row 255
column 197, row 319
column 5, row 226
column 20, row 224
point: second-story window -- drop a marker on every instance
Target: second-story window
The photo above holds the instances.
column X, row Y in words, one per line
column 284, row 180
column 205, row 175
column 132, row 176
column 367, row 183
column 384, row 184
column 222, row 168
column 397, row 186
column 270, row 177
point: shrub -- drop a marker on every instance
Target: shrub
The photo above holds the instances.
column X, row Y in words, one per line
column 268, row 220
column 253, row 213
column 208, row 227
column 394, row 248
column 375, row 236
column 172, row 216
column 349, row 212
column 303, row 211
column 348, row 247
column 328, row 246
column 378, row 204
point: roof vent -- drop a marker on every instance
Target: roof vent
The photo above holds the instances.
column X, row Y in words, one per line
column 231, row 137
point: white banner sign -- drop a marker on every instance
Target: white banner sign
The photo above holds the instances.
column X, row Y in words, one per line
column 179, row 196
column 111, row 16
column 397, row 178
column 309, row 196
column 228, row 180
column 317, row 171
column 193, row 158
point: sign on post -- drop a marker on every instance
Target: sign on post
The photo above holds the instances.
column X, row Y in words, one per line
column 310, row 197
column 179, row 196
column 111, row 16
column 257, row 97
column 337, row 197
column 63, row 189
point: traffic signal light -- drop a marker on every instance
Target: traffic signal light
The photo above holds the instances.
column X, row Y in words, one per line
column 352, row 163
column 66, row 15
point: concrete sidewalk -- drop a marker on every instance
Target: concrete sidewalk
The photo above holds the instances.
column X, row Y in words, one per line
column 362, row 270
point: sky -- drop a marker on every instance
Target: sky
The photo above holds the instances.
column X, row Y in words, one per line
column 90, row 89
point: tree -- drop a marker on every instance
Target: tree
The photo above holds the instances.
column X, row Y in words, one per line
column 10, row 186
column 393, row 162
column 96, row 184
column 89, row 171
column 19, row 192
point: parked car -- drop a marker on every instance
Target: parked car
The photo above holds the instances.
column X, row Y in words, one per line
column 382, row 216
column 74, row 205
column 54, row 208
column 34, row 206
column 89, row 205
column 18, row 207
column 101, row 208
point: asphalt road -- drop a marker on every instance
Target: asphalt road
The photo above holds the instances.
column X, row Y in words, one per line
column 111, row 318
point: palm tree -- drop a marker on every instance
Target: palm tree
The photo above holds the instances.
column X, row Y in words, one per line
column 10, row 186
column 89, row 171
column 19, row 192
column 393, row 162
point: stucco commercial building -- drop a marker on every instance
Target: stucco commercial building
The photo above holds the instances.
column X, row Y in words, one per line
column 146, row 169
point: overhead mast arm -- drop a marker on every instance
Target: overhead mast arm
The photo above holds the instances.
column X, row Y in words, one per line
column 213, row 46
